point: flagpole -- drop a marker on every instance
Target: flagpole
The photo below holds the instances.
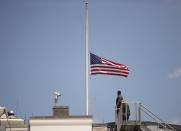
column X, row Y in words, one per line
column 87, row 57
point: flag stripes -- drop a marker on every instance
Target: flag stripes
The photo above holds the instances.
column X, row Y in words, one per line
column 104, row 66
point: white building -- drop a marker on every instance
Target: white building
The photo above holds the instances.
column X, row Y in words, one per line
column 60, row 121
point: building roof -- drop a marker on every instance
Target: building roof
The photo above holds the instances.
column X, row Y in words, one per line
column 51, row 117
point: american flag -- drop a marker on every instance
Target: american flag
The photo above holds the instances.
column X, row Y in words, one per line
column 101, row 65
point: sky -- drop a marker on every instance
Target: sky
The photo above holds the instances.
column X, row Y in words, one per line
column 42, row 50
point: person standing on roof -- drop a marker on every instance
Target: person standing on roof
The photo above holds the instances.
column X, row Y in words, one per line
column 119, row 100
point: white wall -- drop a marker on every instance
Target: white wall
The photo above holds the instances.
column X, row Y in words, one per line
column 17, row 129
column 66, row 124
column 15, row 124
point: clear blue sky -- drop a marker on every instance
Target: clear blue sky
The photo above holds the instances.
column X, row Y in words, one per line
column 42, row 50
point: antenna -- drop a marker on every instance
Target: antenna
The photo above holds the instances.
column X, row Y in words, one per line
column 17, row 107
column 57, row 95
column 25, row 119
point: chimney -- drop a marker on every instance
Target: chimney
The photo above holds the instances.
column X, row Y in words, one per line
column 60, row 111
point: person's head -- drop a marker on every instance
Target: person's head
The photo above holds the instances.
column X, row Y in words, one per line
column 118, row 92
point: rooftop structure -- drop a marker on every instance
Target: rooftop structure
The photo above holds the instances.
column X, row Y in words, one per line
column 9, row 122
column 60, row 121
